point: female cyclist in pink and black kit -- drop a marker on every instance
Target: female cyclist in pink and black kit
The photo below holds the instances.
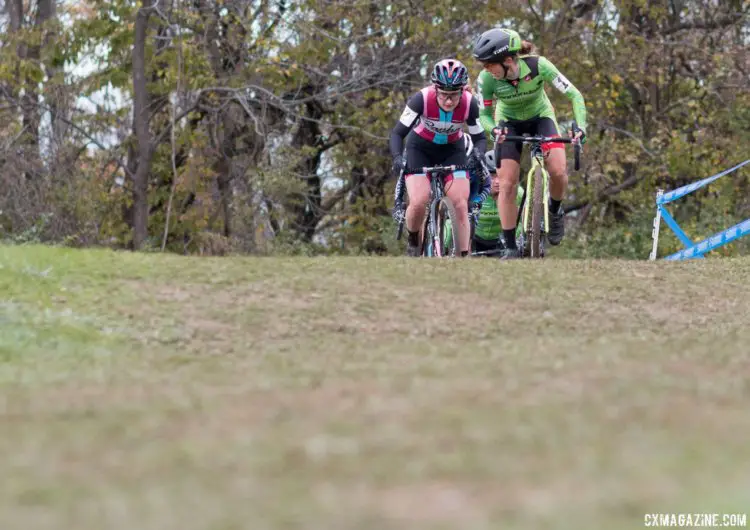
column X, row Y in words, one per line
column 438, row 139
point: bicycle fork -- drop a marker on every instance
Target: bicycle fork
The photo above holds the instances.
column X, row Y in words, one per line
column 433, row 230
column 528, row 199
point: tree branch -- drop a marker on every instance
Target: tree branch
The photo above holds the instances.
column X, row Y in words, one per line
column 723, row 21
column 605, row 125
column 606, row 192
column 78, row 128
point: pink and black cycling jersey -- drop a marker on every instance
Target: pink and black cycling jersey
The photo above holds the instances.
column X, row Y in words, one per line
column 433, row 124
column 438, row 126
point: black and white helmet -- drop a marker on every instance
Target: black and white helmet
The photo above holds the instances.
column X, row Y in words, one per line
column 489, row 158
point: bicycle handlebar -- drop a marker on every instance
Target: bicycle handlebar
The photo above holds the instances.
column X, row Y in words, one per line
column 538, row 139
column 547, row 140
column 433, row 169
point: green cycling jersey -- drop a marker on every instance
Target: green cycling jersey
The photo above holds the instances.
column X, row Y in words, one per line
column 488, row 223
column 525, row 98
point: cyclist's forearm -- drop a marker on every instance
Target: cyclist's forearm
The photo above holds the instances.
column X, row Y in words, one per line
column 552, row 75
column 396, row 142
column 579, row 106
column 487, row 120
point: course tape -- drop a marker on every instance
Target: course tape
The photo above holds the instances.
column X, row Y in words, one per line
column 712, row 242
column 689, row 188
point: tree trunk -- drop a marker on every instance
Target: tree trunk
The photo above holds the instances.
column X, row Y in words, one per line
column 45, row 14
column 308, row 212
column 144, row 149
column 56, row 96
column 224, row 167
column 29, row 139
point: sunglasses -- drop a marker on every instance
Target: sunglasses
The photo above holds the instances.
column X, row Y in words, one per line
column 449, row 95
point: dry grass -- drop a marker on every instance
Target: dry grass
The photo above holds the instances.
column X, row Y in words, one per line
column 157, row 392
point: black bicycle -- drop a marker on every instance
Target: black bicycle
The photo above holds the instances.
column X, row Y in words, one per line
column 441, row 213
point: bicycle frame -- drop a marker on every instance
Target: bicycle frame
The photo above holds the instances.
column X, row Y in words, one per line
column 537, row 164
column 537, row 161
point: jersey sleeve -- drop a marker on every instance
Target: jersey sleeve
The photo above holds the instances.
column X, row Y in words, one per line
column 408, row 118
column 486, row 99
column 552, row 75
column 475, row 128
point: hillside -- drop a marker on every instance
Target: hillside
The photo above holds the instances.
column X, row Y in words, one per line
column 157, row 392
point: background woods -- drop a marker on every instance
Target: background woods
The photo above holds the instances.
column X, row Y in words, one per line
column 208, row 126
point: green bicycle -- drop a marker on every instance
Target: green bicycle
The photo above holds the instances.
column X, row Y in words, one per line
column 534, row 214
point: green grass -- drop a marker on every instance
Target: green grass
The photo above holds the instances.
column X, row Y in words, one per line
column 159, row 392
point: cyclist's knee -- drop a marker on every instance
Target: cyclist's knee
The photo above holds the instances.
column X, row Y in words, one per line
column 459, row 195
column 462, row 208
column 419, row 193
column 558, row 178
column 419, row 200
column 508, row 174
column 556, row 164
column 507, row 187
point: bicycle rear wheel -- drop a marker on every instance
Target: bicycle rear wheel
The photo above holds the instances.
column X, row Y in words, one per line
column 537, row 215
column 472, row 229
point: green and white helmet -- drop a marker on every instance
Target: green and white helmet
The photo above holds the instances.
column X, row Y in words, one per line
column 496, row 44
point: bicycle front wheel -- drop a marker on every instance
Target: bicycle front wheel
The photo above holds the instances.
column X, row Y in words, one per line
column 537, row 215
column 444, row 228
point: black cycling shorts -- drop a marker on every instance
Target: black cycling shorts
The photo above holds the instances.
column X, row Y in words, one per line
column 423, row 153
column 534, row 126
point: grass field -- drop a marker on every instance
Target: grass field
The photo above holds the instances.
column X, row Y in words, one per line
column 161, row 392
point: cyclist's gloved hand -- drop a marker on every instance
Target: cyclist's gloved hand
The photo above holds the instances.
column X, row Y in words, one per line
column 499, row 133
column 398, row 162
column 581, row 135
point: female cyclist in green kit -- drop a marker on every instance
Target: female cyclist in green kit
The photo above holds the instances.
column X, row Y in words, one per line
column 512, row 85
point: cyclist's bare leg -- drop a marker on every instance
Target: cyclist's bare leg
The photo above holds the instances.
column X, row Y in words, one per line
column 558, row 173
column 558, row 177
column 507, row 186
column 418, row 188
column 458, row 192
